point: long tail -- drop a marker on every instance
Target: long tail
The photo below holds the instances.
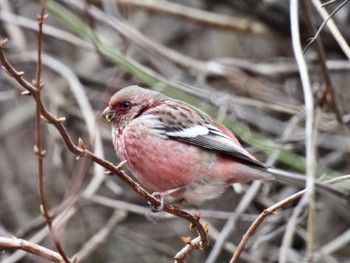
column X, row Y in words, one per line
column 300, row 180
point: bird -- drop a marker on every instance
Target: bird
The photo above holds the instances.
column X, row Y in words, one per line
column 180, row 152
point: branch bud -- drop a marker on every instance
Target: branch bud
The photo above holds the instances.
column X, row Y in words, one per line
column 4, row 42
column 61, row 119
column 109, row 173
column 81, row 143
column 186, row 240
column 121, row 164
column 26, row 93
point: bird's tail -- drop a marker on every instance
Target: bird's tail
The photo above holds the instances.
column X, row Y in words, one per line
column 300, row 180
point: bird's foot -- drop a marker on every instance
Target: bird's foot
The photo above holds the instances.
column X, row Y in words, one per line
column 160, row 196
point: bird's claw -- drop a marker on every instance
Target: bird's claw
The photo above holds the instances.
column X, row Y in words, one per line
column 160, row 197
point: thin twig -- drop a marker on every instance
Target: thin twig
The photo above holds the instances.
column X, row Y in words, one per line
column 38, row 148
column 260, row 219
column 100, row 237
column 239, row 25
column 289, row 232
column 332, row 26
column 231, row 222
column 322, row 59
column 328, row 3
column 273, row 209
column 340, row 242
column 183, row 253
column 191, row 244
column 81, row 151
column 310, row 132
column 40, row 235
column 14, row 32
column 16, row 243
column 48, row 30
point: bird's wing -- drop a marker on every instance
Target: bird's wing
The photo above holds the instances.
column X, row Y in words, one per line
column 209, row 137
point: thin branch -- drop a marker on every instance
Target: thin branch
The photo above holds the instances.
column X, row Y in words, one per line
column 271, row 210
column 289, row 232
column 260, row 219
column 38, row 148
column 40, row 235
column 186, row 251
column 81, row 151
column 16, row 243
column 232, row 221
column 48, row 30
column 322, row 59
column 326, row 19
column 14, row 32
column 340, row 242
column 310, row 132
column 196, row 15
column 328, row 3
column 332, row 26
column 100, row 237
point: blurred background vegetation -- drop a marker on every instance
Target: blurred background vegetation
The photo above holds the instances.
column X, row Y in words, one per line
column 231, row 58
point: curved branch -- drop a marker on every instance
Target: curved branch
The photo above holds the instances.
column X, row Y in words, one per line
column 81, row 151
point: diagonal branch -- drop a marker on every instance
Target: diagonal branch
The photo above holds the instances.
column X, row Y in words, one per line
column 81, row 151
column 260, row 219
column 12, row 242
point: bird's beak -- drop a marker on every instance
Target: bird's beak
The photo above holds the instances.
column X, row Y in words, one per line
column 108, row 115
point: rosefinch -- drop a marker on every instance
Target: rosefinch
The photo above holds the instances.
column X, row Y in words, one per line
column 176, row 149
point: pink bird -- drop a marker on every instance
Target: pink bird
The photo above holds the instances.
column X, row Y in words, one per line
column 177, row 150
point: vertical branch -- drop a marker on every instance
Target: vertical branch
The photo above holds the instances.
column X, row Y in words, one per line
column 322, row 60
column 38, row 148
column 332, row 26
column 309, row 125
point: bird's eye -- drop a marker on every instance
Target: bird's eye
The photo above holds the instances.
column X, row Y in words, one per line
column 125, row 105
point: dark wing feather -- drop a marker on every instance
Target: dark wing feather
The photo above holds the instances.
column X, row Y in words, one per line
column 211, row 138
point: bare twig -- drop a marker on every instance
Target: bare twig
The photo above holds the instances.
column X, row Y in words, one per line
column 231, row 223
column 240, row 25
column 272, row 209
column 261, row 218
column 40, row 235
column 328, row 3
column 38, row 148
column 12, row 242
column 48, row 30
column 339, row 179
column 340, row 242
column 310, row 132
column 192, row 244
column 322, row 59
column 83, row 152
column 101, row 236
column 332, row 26
column 14, row 32
column 290, row 230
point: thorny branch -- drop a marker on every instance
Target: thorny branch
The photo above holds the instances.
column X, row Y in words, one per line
column 81, row 151
column 38, row 148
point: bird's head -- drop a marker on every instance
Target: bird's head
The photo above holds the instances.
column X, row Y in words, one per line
column 129, row 103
